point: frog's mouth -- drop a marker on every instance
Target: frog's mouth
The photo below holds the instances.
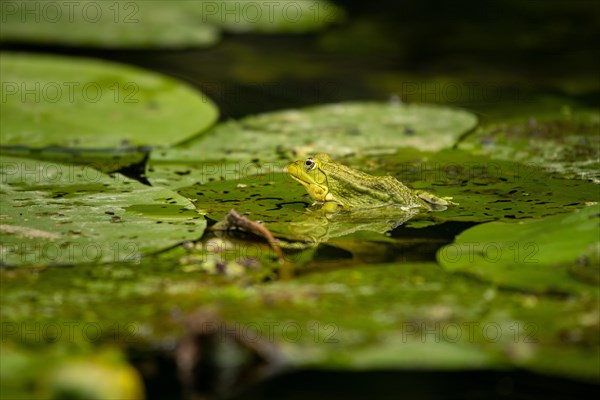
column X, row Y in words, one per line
column 300, row 181
column 307, row 185
column 316, row 191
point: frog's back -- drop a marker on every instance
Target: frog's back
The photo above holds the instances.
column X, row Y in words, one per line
column 402, row 194
column 356, row 189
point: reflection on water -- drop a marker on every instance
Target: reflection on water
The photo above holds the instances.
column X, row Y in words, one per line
column 320, row 226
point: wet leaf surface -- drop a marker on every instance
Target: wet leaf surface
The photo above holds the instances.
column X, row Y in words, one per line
column 566, row 144
column 534, row 255
column 122, row 24
column 67, row 214
column 485, row 189
column 159, row 24
column 269, row 140
column 367, row 317
column 86, row 103
column 283, row 205
column 340, row 129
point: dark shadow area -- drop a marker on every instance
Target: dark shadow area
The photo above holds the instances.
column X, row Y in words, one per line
column 422, row 385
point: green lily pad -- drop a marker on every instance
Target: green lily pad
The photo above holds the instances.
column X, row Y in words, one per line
column 274, row 199
column 343, row 318
column 265, row 16
column 484, row 189
column 391, row 315
column 179, row 167
column 538, row 330
column 566, row 144
column 280, row 203
column 117, row 24
column 165, row 24
column 533, row 255
column 66, row 214
column 69, row 102
column 338, row 129
column 105, row 160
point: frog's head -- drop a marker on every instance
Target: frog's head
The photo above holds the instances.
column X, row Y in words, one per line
column 310, row 174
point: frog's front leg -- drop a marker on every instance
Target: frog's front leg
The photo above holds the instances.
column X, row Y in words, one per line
column 330, row 206
column 434, row 200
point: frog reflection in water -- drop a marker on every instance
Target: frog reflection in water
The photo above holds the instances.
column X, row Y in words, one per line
column 335, row 185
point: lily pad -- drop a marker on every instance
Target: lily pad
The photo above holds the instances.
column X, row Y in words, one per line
column 116, row 24
column 338, row 129
column 566, row 144
column 281, row 204
column 67, row 214
column 105, row 160
column 84, row 103
column 390, row 315
column 369, row 317
column 179, row 167
column 265, row 16
column 165, row 24
column 484, row 189
column 532, row 255
column 273, row 198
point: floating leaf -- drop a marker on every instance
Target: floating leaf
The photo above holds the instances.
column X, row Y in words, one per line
column 532, row 255
column 105, row 160
column 86, row 378
column 107, row 24
column 166, row 24
column 74, row 374
column 265, row 16
column 280, row 203
column 484, row 189
column 566, row 144
column 338, row 129
column 390, row 315
column 272, row 198
column 368, row 317
column 60, row 101
column 65, row 214
column 176, row 167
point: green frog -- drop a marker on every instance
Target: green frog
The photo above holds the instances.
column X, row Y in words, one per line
column 335, row 185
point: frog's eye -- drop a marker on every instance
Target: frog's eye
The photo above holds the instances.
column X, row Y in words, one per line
column 309, row 164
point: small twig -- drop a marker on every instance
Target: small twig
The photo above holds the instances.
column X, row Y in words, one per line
column 238, row 220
